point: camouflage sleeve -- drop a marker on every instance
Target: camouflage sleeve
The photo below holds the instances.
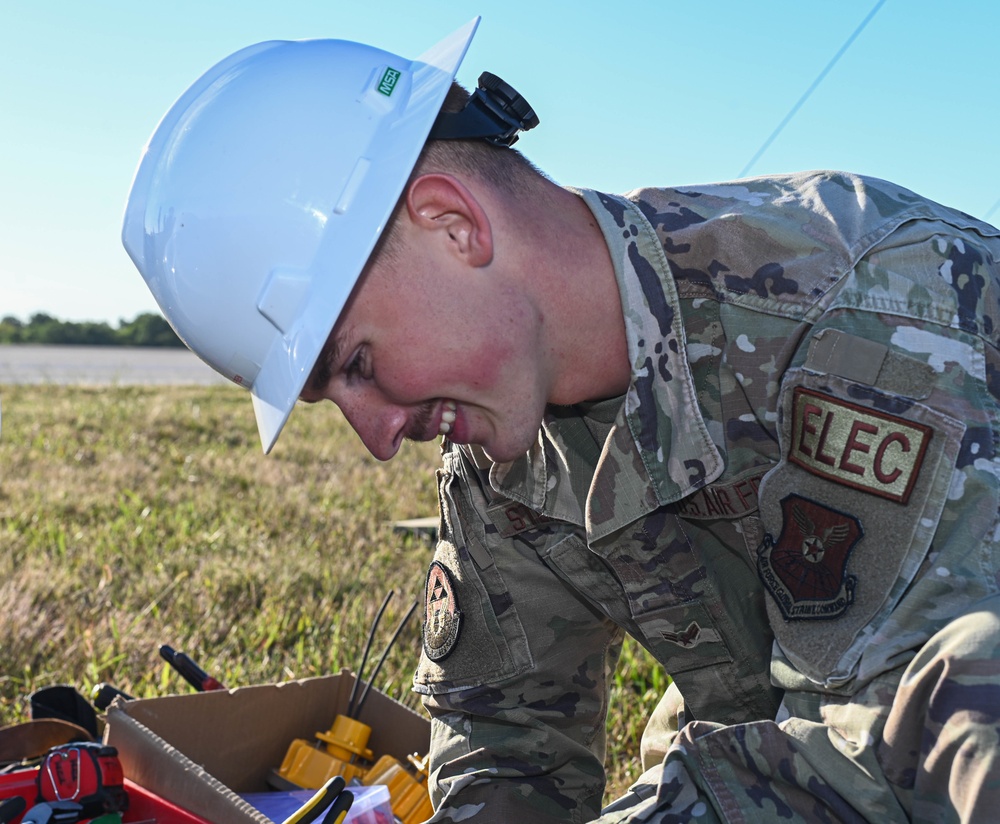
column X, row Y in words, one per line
column 514, row 672
column 880, row 557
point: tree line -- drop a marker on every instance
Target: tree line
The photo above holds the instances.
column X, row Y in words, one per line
column 147, row 329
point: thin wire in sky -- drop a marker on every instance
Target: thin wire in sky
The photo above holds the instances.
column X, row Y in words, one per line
column 812, row 88
column 993, row 208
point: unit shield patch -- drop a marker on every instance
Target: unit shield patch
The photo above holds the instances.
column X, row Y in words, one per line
column 442, row 617
column 805, row 570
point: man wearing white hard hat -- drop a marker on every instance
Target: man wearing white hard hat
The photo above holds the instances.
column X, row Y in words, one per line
column 752, row 424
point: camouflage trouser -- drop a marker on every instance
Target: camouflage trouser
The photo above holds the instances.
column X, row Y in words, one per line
column 917, row 744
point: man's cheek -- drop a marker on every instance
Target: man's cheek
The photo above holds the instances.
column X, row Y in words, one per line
column 484, row 369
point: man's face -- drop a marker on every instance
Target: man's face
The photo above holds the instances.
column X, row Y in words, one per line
column 428, row 347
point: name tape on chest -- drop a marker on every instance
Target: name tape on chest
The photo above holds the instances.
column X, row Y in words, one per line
column 511, row 518
column 856, row 446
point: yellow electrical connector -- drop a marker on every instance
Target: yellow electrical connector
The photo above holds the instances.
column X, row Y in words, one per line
column 310, row 765
column 408, row 794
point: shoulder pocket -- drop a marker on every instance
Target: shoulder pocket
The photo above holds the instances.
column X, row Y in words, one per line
column 472, row 634
column 850, row 514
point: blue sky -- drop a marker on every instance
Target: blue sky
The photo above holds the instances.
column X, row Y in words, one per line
column 642, row 93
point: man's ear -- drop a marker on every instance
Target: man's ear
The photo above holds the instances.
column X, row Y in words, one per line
column 442, row 204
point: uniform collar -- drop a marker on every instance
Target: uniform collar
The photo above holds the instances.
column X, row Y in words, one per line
column 658, row 449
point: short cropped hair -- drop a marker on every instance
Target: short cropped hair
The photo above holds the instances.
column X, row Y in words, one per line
column 504, row 168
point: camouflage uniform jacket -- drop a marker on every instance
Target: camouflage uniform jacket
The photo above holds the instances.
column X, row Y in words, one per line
column 807, row 453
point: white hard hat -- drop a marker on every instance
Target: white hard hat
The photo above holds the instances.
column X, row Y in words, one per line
column 263, row 191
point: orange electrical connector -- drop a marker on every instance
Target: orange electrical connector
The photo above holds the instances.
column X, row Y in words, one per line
column 310, row 765
column 408, row 794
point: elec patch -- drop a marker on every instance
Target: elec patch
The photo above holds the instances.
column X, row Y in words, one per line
column 442, row 617
column 856, row 446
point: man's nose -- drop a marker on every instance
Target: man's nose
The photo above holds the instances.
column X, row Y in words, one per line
column 380, row 425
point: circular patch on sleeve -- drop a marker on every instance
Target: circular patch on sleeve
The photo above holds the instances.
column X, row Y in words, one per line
column 442, row 617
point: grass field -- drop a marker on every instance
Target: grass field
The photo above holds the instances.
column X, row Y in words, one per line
column 132, row 517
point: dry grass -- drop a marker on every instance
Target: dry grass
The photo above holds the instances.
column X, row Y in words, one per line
column 136, row 516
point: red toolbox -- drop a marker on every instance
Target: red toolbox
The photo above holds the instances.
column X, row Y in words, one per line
column 143, row 806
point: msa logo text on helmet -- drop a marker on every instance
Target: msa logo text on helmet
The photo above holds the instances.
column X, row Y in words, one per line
column 388, row 82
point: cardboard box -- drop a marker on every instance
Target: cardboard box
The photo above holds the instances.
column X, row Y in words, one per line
column 200, row 751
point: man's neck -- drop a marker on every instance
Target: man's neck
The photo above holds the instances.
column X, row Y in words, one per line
column 574, row 279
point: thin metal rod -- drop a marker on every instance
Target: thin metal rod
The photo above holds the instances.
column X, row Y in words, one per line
column 381, row 660
column 364, row 656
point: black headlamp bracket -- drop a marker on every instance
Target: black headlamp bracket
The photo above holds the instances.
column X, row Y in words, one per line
column 495, row 113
